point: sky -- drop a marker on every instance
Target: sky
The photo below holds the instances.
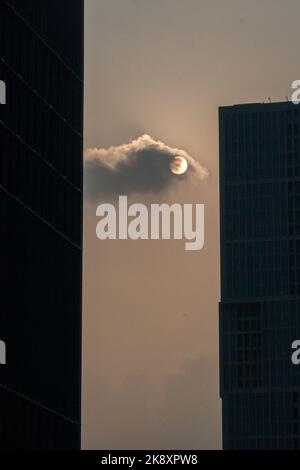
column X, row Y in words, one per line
column 150, row 317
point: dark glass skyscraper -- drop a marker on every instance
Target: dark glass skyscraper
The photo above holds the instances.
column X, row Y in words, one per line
column 260, row 275
column 41, row 62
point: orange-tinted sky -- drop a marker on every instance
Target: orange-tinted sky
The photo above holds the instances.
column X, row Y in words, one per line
column 163, row 67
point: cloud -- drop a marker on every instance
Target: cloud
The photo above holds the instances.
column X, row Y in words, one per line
column 141, row 166
column 180, row 412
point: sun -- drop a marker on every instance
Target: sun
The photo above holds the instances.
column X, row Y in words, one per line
column 178, row 165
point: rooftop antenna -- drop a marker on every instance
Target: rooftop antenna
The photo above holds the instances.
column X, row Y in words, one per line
column 270, row 101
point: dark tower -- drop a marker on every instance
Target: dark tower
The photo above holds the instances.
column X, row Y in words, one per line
column 41, row 63
column 260, row 275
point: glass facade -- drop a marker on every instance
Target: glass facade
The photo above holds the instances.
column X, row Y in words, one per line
column 260, row 275
column 41, row 63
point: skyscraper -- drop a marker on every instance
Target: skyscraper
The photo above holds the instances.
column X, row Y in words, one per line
column 260, row 275
column 41, row 64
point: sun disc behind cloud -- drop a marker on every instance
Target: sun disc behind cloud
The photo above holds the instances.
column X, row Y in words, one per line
column 178, row 165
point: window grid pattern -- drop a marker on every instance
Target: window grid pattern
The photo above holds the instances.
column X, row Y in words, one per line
column 260, row 275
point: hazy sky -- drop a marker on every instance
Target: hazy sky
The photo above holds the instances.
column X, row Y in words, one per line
column 163, row 67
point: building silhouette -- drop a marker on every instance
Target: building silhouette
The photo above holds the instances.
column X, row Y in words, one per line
column 41, row 64
column 260, row 275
